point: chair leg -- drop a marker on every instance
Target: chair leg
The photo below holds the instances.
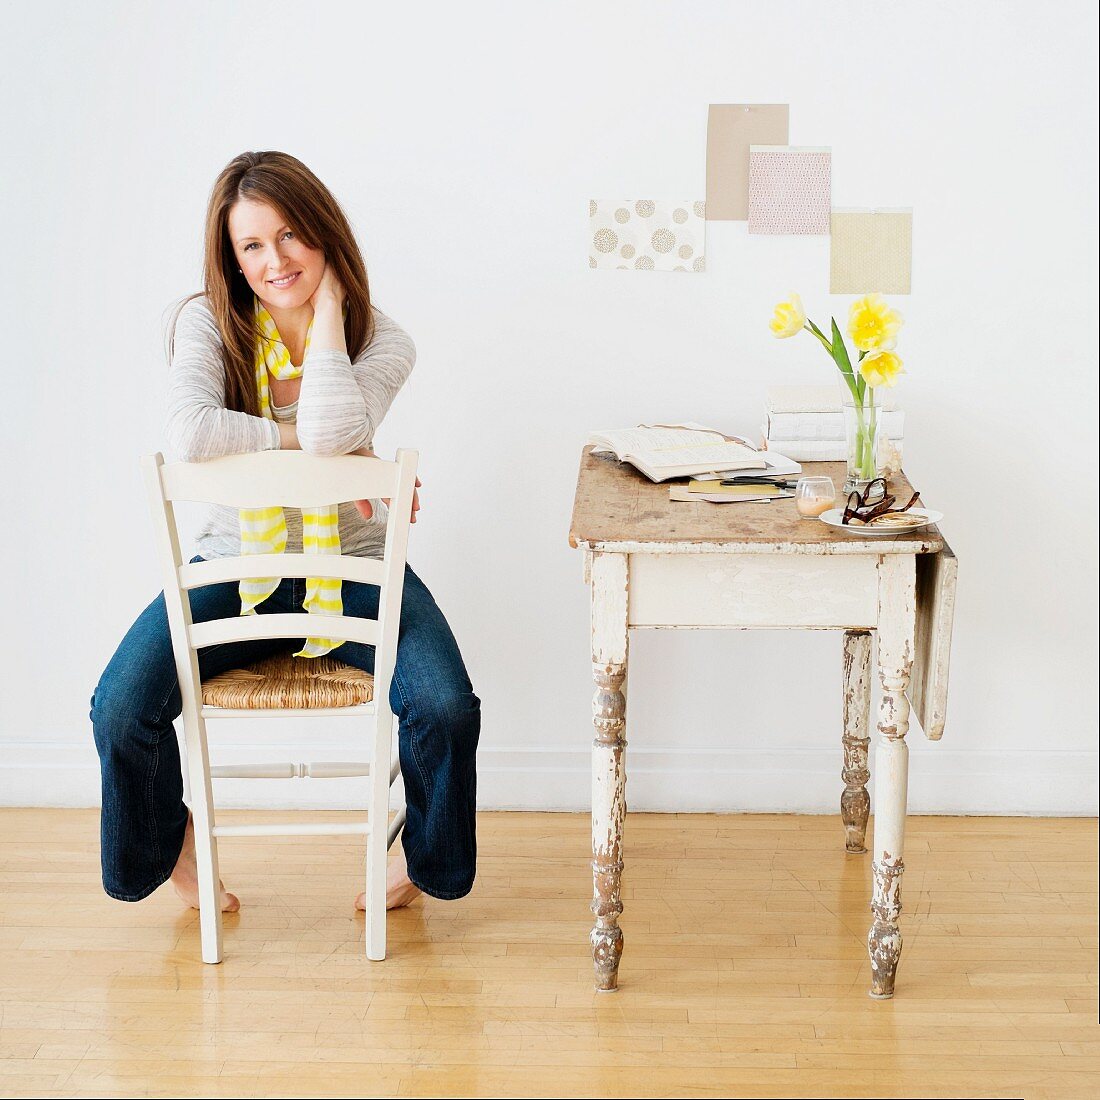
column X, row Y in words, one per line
column 378, row 840
column 206, row 844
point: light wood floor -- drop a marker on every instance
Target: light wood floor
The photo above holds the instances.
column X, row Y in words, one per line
column 745, row 971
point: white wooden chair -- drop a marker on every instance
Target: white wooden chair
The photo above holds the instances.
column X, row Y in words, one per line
column 290, row 479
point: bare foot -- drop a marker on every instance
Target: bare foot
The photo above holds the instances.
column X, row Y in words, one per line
column 399, row 890
column 185, row 877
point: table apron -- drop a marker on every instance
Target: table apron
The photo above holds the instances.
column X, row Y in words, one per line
column 739, row 590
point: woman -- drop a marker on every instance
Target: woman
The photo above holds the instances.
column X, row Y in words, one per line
column 261, row 361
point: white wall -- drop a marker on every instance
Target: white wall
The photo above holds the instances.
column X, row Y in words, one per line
column 464, row 141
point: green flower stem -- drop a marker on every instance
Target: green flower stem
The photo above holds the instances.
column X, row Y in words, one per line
column 864, row 457
column 861, row 440
column 872, row 435
column 811, row 327
column 853, row 386
column 860, row 381
column 869, row 464
column 863, row 396
column 841, row 364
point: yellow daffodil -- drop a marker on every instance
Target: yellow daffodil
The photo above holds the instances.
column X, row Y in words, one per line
column 789, row 318
column 872, row 324
column 881, row 368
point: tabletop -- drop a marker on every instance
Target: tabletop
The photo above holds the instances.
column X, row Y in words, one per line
column 618, row 508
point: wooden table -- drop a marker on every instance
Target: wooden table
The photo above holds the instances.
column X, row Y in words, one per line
column 653, row 563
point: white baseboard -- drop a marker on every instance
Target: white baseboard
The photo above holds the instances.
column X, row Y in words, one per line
column 1022, row 782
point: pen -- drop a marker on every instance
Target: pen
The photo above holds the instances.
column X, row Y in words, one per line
column 779, row 483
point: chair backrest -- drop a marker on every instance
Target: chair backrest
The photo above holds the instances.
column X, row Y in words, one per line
column 291, row 479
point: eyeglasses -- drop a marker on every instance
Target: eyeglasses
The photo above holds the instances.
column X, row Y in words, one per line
column 873, row 502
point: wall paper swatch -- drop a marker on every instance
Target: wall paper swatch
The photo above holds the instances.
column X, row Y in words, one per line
column 871, row 250
column 790, row 189
column 647, row 234
column 731, row 129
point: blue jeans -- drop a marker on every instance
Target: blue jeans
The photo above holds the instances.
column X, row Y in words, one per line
column 138, row 696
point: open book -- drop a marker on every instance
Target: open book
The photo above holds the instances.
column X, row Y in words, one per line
column 662, row 451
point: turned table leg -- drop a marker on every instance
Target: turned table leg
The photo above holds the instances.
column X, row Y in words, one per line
column 855, row 803
column 897, row 575
column 609, row 579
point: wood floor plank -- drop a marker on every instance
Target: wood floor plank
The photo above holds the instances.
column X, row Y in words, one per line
column 745, row 971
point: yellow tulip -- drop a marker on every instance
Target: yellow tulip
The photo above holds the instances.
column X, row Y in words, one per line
column 881, row 368
column 872, row 324
column 789, row 318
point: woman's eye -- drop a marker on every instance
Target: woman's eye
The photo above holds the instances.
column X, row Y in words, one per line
column 288, row 233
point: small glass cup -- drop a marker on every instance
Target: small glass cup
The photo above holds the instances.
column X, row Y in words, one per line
column 814, row 495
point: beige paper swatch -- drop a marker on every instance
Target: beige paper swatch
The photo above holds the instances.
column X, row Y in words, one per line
column 872, row 251
column 731, row 129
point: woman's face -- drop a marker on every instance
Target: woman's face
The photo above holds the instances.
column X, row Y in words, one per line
column 268, row 250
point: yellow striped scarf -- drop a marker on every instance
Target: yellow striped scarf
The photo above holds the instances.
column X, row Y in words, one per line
column 263, row 530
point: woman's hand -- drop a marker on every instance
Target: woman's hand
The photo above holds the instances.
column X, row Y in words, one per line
column 366, row 509
column 329, row 290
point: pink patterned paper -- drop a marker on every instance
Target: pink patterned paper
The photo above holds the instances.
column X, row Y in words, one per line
column 790, row 189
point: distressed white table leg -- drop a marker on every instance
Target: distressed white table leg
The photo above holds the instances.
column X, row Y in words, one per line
column 609, row 580
column 897, row 576
column 855, row 803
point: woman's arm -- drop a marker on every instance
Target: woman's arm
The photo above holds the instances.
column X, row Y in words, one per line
column 341, row 403
column 366, row 507
column 198, row 425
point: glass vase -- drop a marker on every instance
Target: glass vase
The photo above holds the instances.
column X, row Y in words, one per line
column 862, row 426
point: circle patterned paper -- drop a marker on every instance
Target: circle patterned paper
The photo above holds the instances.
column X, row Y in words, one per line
column 654, row 234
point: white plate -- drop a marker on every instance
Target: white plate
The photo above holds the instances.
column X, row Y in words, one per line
column 834, row 516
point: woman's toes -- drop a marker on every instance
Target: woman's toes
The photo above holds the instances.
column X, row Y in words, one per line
column 401, row 895
column 397, row 896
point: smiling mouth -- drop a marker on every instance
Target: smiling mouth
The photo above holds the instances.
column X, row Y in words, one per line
column 286, row 281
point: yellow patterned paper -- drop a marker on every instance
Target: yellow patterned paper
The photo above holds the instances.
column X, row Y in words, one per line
column 871, row 250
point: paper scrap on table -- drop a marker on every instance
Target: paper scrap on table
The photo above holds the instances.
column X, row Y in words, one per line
column 682, row 494
column 647, row 234
column 871, row 250
column 790, row 189
column 776, row 464
column 731, row 129
column 735, row 492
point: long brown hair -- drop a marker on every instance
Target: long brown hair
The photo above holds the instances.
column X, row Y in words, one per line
column 305, row 203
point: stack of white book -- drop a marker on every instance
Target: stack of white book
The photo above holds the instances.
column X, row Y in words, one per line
column 806, row 423
column 664, row 451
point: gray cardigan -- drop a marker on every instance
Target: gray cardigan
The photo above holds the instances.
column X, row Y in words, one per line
column 340, row 406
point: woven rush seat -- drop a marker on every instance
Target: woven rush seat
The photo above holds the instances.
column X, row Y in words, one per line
column 286, row 681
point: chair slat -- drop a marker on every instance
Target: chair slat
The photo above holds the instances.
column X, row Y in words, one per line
column 395, row 826
column 322, row 769
column 343, row 567
column 260, row 479
column 359, row 710
column 307, row 828
column 270, row 770
column 243, row 628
